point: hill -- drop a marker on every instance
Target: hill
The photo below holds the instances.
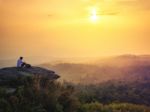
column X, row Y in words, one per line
column 36, row 90
column 120, row 67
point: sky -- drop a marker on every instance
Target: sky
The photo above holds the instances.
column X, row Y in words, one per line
column 74, row 28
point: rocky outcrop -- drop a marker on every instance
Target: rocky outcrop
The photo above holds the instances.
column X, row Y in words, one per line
column 13, row 73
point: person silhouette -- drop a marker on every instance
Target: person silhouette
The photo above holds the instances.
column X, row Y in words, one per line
column 20, row 62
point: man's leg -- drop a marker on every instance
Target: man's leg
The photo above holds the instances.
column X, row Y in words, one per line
column 23, row 65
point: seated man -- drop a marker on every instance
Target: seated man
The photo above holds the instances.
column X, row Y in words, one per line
column 22, row 64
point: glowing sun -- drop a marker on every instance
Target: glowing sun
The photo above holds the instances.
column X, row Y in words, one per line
column 94, row 16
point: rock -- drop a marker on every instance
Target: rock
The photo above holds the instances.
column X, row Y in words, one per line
column 13, row 73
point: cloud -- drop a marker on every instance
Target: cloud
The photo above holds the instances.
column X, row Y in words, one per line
column 109, row 13
column 50, row 15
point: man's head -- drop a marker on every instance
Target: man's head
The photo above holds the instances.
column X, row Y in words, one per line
column 21, row 58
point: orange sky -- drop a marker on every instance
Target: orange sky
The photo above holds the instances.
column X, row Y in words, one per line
column 64, row 28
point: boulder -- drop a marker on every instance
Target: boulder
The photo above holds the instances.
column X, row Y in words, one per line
column 14, row 72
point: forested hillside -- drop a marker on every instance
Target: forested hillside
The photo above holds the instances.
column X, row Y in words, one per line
column 33, row 95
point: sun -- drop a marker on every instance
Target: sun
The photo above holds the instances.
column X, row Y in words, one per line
column 94, row 16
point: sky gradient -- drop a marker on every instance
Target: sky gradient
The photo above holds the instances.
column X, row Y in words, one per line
column 64, row 28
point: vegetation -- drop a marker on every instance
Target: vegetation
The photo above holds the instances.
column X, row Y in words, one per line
column 116, row 91
column 31, row 94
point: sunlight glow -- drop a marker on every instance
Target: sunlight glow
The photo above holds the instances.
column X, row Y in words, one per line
column 94, row 16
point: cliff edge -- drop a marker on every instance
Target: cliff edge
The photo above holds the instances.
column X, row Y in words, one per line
column 7, row 74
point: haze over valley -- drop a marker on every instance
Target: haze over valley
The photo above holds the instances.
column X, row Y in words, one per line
column 123, row 67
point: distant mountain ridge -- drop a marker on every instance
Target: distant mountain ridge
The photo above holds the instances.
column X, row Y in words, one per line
column 125, row 60
column 120, row 67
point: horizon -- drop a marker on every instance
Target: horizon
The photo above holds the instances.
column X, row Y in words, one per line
column 39, row 60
